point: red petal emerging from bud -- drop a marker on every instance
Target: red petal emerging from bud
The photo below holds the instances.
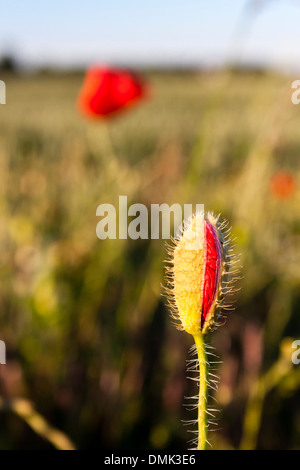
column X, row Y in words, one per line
column 212, row 269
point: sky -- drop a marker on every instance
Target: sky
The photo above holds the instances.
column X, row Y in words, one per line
column 68, row 33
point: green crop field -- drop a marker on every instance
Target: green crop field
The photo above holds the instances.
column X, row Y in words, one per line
column 93, row 359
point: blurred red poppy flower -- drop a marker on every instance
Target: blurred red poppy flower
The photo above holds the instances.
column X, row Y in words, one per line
column 106, row 91
column 282, row 184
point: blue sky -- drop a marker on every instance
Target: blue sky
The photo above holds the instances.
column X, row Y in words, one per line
column 76, row 32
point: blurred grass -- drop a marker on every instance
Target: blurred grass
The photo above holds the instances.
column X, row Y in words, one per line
column 88, row 336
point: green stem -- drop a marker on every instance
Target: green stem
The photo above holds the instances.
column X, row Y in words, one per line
column 203, row 390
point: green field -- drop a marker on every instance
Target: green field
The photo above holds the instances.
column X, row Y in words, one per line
column 91, row 348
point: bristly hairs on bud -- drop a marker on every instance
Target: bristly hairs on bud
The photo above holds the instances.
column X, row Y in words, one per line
column 200, row 275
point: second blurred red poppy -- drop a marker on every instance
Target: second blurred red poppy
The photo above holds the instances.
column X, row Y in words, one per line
column 282, row 184
column 106, row 91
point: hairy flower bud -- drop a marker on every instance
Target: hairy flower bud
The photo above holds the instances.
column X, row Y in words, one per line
column 199, row 275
